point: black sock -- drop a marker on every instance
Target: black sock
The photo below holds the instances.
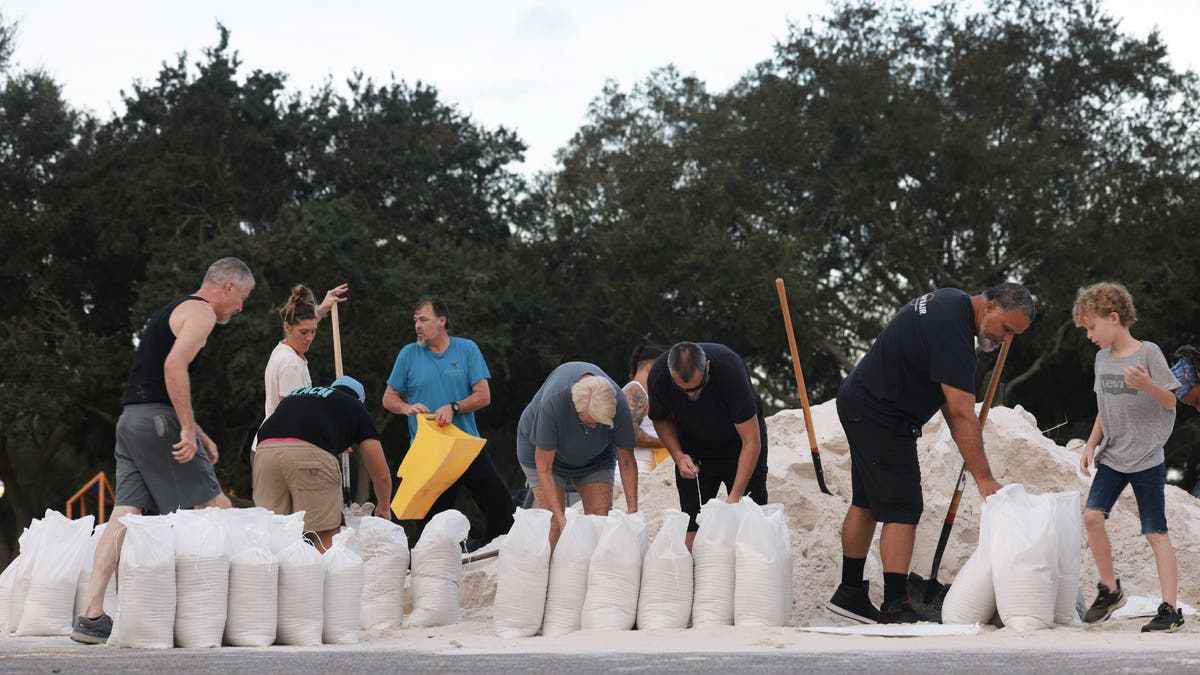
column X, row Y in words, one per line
column 895, row 586
column 852, row 570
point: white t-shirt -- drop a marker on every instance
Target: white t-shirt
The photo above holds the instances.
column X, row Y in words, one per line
column 286, row 372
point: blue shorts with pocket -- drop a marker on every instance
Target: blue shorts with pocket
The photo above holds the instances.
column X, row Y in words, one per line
column 1148, row 491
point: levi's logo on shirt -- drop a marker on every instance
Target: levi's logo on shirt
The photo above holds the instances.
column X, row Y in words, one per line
column 1115, row 385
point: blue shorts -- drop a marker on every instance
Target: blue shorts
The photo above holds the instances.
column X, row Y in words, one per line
column 1148, row 491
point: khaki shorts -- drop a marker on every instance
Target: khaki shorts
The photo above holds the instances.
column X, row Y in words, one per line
column 296, row 476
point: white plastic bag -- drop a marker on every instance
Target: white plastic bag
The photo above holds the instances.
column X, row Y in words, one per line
column 201, row 578
column 972, row 595
column 385, row 565
column 762, row 571
column 715, row 571
column 665, row 600
column 146, row 599
column 85, row 577
column 253, row 578
column 568, row 579
column 26, row 562
column 301, row 595
column 523, row 576
column 286, row 530
column 615, row 574
column 1068, row 523
column 343, row 589
column 1024, row 555
column 437, row 570
column 8, row 581
column 50, row 602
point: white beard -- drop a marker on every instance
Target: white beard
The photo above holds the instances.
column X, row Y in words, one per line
column 983, row 342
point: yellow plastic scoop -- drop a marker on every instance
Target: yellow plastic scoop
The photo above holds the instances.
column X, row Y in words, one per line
column 438, row 457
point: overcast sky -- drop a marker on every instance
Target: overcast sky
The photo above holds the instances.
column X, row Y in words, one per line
column 528, row 65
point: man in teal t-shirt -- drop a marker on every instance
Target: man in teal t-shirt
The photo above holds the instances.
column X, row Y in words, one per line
column 447, row 377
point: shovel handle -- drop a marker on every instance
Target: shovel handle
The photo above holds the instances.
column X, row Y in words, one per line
column 799, row 372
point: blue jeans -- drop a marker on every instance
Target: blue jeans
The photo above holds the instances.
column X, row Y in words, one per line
column 1148, row 486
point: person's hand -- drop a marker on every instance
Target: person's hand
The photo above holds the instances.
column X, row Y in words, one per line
column 445, row 415
column 186, row 448
column 383, row 511
column 687, row 466
column 558, row 521
column 416, row 409
column 988, row 487
column 332, row 297
column 210, row 446
column 1085, row 459
column 1138, row 377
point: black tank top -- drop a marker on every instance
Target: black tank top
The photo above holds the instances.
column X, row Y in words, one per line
column 146, row 381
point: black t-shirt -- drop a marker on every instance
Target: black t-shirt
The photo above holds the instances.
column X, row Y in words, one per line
column 147, row 383
column 706, row 425
column 329, row 419
column 930, row 342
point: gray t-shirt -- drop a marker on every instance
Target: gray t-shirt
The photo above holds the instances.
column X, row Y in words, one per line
column 550, row 422
column 1135, row 426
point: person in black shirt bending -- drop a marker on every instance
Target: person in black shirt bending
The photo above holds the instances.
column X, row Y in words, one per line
column 922, row 362
column 708, row 415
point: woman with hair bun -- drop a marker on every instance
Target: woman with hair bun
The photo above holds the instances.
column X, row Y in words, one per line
column 287, row 369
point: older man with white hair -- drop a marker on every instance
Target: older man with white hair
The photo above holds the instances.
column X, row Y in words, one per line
column 577, row 428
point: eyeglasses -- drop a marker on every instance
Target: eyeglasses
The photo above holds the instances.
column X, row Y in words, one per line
column 690, row 390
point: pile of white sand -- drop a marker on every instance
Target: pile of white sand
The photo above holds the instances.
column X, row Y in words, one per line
column 1018, row 453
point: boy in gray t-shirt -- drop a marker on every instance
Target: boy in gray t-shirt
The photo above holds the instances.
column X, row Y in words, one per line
column 1135, row 397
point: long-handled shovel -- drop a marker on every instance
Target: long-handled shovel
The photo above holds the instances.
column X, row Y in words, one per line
column 337, row 369
column 927, row 596
column 808, row 423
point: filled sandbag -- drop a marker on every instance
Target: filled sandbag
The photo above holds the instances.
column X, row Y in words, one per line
column 1068, row 523
column 437, row 570
column 385, row 565
column 25, row 563
column 201, row 578
column 762, row 570
column 568, row 580
column 343, row 589
column 972, row 595
column 146, row 598
column 8, row 580
column 253, row 578
column 523, row 576
column 286, row 530
column 665, row 598
column 1024, row 555
column 301, row 615
column 85, row 577
column 615, row 574
column 49, row 607
column 715, row 564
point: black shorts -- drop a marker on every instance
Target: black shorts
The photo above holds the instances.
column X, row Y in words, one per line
column 885, row 475
column 694, row 492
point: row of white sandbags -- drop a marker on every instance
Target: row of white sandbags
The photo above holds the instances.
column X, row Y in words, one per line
column 1029, row 550
column 603, row 575
column 37, row 589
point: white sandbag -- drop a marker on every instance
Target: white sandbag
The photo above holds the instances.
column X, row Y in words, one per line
column 714, row 556
column 972, row 596
column 1024, row 556
column 28, row 546
column 50, row 603
column 286, row 530
column 343, row 589
column 253, row 578
column 759, row 568
column 437, row 570
column 566, row 588
column 523, row 576
column 85, row 577
column 8, row 581
column 201, row 578
column 777, row 516
column 1068, row 532
column 301, row 595
column 385, row 565
column 146, row 600
column 665, row 598
column 615, row 574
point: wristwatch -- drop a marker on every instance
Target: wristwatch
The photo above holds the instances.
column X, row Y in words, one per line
column 455, row 407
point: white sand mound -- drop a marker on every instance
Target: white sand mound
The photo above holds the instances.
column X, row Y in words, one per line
column 1018, row 453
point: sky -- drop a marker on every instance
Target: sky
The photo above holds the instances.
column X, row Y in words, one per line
column 530, row 66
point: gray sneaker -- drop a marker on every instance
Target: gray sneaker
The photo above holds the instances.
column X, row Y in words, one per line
column 92, row 631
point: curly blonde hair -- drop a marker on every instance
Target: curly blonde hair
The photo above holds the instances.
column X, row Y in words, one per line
column 1102, row 299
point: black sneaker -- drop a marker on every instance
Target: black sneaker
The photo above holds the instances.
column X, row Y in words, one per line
column 898, row 611
column 92, row 631
column 1168, row 620
column 1106, row 603
column 852, row 602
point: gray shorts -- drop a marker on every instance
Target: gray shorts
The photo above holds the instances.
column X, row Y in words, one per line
column 148, row 477
column 601, row 475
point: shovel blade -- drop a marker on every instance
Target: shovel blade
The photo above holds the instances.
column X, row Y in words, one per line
column 926, row 596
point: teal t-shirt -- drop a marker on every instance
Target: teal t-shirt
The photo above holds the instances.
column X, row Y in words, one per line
column 421, row 376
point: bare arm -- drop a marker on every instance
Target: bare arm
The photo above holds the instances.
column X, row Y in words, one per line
column 479, row 398
column 1139, row 378
column 394, row 402
column 639, row 405
column 381, row 476
column 669, row 435
column 1089, row 449
column 959, row 412
column 629, row 477
column 191, row 322
column 747, row 459
column 332, row 297
column 544, row 459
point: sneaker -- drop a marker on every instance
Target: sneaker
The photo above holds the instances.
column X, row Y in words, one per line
column 92, row 631
column 1168, row 620
column 852, row 602
column 898, row 610
column 1106, row 603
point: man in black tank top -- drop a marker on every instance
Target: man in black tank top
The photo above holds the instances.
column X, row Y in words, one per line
column 159, row 465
